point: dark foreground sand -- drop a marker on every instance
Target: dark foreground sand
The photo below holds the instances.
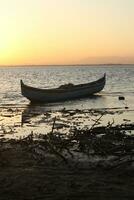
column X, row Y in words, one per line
column 23, row 177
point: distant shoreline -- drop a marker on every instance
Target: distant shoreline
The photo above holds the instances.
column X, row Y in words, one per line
column 67, row 65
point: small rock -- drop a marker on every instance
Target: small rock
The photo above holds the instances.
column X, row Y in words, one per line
column 126, row 107
column 121, row 98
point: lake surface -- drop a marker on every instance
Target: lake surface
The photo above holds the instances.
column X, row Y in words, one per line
column 120, row 81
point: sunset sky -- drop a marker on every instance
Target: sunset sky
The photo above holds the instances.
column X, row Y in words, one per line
column 66, row 31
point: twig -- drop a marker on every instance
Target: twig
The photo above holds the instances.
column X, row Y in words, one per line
column 53, row 125
column 96, row 122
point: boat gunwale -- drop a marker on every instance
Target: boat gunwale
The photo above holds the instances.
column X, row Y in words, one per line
column 74, row 87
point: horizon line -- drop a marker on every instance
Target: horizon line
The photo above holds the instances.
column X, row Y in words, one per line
column 35, row 65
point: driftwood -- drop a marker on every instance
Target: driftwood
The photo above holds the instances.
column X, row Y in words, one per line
column 103, row 141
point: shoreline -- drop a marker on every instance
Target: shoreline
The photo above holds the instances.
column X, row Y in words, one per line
column 94, row 161
column 21, row 121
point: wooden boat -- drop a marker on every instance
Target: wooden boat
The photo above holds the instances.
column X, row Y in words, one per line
column 63, row 93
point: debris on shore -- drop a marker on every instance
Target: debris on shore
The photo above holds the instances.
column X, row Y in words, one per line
column 69, row 164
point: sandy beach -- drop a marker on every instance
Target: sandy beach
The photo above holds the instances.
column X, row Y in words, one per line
column 32, row 170
column 22, row 177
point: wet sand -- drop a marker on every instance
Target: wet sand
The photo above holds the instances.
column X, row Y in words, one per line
column 19, row 121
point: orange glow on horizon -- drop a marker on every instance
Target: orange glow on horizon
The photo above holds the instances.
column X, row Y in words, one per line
column 66, row 32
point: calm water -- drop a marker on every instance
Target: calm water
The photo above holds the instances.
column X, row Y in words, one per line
column 120, row 81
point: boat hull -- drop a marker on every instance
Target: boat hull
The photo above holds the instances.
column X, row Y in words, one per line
column 36, row 95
